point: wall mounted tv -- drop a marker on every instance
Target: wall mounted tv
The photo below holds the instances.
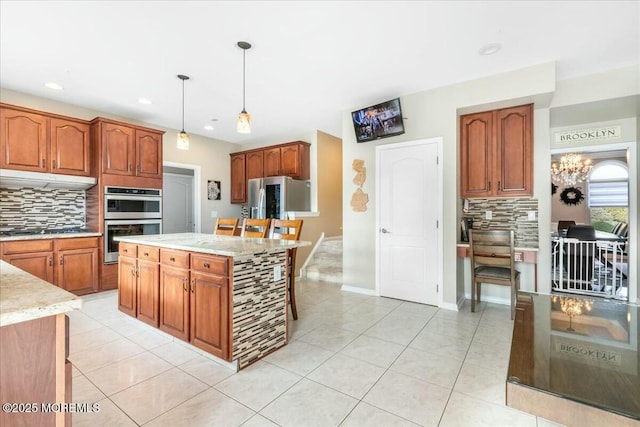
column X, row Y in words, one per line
column 378, row 121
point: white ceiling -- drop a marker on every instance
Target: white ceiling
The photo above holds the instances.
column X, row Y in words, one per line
column 311, row 60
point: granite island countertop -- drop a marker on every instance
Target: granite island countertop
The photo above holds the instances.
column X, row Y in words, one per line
column 213, row 244
column 25, row 297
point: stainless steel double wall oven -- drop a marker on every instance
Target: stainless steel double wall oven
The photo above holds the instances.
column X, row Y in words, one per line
column 129, row 212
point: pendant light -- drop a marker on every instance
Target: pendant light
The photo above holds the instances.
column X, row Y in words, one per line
column 244, row 118
column 183, row 137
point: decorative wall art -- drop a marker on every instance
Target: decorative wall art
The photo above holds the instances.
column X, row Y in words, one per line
column 359, row 199
column 214, row 191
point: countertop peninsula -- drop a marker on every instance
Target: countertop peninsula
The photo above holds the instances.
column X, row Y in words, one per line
column 232, row 246
column 25, row 297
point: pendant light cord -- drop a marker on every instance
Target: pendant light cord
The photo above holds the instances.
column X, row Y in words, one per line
column 244, row 77
column 183, row 105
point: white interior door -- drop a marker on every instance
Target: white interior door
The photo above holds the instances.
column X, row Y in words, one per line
column 177, row 204
column 408, row 205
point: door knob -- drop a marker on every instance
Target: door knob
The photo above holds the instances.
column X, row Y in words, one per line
column 384, row 231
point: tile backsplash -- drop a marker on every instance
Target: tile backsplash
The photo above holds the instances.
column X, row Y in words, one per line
column 509, row 213
column 35, row 208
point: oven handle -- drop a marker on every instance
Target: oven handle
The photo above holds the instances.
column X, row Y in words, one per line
column 127, row 197
column 132, row 222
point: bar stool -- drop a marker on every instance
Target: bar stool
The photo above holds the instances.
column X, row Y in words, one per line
column 225, row 226
column 252, row 227
column 288, row 230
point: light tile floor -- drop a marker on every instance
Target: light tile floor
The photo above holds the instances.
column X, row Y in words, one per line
column 352, row 360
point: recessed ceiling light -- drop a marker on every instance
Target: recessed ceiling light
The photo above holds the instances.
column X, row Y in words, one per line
column 144, row 101
column 209, row 127
column 490, row 49
column 53, row 85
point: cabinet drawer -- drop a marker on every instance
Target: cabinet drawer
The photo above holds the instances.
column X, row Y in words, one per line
column 209, row 264
column 127, row 249
column 174, row 258
column 77, row 243
column 150, row 253
column 23, row 247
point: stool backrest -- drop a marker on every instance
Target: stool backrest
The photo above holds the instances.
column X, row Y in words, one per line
column 225, row 226
column 252, row 227
column 287, row 229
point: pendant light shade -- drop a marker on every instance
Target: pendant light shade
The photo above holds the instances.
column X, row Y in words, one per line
column 183, row 137
column 244, row 118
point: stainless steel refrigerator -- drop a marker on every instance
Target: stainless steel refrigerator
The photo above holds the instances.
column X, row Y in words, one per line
column 273, row 197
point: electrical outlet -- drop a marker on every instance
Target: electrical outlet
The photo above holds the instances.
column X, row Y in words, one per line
column 277, row 273
column 531, row 215
column 488, row 215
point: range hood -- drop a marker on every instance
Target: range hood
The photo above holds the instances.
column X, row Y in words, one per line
column 16, row 178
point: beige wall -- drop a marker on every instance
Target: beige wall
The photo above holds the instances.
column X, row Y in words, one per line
column 328, row 150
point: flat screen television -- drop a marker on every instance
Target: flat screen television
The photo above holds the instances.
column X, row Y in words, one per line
column 378, row 121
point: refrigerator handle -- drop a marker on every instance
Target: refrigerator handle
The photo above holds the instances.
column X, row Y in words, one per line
column 261, row 202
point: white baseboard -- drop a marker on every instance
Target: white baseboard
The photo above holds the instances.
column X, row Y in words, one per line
column 451, row 306
column 492, row 299
column 358, row 290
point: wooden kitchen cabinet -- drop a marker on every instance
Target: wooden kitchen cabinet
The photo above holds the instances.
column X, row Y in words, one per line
column 77, row 269
column 70, row 263
column 190, row 294
column 128, row 150
column 70, row 147
column 291, row 159
column 287, row 160
column 496, row 153
column 33, row 256
column 174, row 301
column 272, row 162
column 34, row 370
column 38, row 142
column 138, row 282
column 254, row 164
column 147, row 285
column 208, row 309
column 127, row 279
column 238, row 178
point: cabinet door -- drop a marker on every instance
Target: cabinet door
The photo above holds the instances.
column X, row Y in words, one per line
column 238, row 179
column 209, row 314
column 271, row 162
column 118, row 154
column 78, row 270
column 40, row 264
column 476, row 145
column 148, row 154
column 291, row 161
column 127, row 285
column 23, row 141
column 70, row 149
column 174, row 301
column 514, row 151
column 148, row 292
column 254, row 164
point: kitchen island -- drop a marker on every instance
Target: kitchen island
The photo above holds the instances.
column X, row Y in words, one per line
column 226, row 295
column 33, row 348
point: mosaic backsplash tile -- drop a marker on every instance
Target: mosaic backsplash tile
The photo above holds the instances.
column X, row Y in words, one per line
column 509, row 214
column 259, row 306
column 36, row 208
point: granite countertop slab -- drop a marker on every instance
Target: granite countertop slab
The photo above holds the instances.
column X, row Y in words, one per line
column 213, row 244
column 25, row 297
column 48, row 236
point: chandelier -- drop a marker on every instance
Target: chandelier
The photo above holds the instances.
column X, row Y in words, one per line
column 571, row 170
column 573, row 307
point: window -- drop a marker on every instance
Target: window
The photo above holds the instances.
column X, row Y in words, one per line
column 608, row 185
